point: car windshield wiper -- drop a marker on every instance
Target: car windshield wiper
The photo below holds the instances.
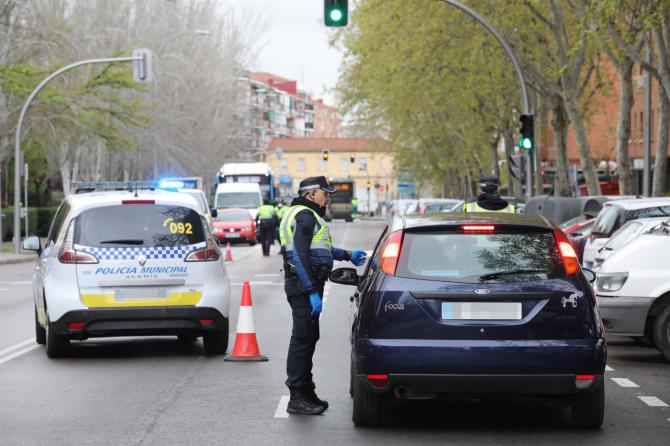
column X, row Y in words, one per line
column 510, row 273
column 123, row 242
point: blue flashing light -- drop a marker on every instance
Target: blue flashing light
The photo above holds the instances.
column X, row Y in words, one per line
column 171, row 184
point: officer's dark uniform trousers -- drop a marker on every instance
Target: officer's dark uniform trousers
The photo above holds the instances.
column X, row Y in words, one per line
column 304, row 336
column 267, row 234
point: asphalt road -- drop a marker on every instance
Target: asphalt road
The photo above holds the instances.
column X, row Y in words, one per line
column 134, row 391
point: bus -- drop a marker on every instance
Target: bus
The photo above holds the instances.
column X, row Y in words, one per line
column 340, row 202
column 259, row 173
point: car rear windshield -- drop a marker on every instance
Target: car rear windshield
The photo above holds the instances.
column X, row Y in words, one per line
column 139, row 225
column 474, row 258
column 246, row 200
column 233, row 216
column 607, row 221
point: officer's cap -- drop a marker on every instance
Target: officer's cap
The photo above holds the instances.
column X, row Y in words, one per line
column 489, row 184
column 312, row 183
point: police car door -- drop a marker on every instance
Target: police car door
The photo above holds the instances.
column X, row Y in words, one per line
column 139, row 254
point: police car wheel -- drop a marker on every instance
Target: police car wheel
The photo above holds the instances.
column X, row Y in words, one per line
column 216, row 343
column 352, row 379
column 40, row 332
column 368, row 407
column 662, row 332
column 589, row 410
column 57, row 345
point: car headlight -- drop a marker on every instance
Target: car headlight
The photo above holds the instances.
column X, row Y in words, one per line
column 611, row 281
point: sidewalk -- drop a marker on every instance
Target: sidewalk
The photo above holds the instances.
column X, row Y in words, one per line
column 7, row 258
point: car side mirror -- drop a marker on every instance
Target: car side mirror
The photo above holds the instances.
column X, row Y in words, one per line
column 32, row 244
column 590, row 275
column 214, row 212
column 345, row 276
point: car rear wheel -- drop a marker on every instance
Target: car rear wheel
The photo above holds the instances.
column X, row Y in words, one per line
column 216, row 343
column 352, row 379
column 185, row 338
column 57, row 345
column 368, row 407
column 588, row 411
column 662, row 332
column 40, row 332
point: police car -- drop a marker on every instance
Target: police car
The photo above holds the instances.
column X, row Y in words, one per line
column 129, row 262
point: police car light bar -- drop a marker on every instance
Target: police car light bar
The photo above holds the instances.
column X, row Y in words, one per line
column 92, row 186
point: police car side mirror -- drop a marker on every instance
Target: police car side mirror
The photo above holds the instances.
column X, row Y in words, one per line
column 32, row 244
column 345, row 276
column 590, row 275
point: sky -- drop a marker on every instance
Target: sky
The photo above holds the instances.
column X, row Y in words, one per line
column 296, row 44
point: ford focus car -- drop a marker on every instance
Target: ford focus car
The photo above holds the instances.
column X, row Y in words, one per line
column 129, row 263
column 475, row 304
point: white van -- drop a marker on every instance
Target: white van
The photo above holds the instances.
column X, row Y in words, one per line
column 633, row 289
column 614, row 214
column 239, row 195
column 624, row 235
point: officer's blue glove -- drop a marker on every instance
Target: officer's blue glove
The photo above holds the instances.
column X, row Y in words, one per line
column 358, row 257
column 315, row 301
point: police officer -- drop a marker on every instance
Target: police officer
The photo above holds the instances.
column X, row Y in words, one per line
column 266, row 221
column 308, row 260
column 489, row 199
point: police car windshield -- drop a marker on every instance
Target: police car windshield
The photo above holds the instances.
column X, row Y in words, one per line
column 139, row 225
column 246, row 200
column 472, row 258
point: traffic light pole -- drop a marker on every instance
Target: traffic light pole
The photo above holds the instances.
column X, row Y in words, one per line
column 519, row 74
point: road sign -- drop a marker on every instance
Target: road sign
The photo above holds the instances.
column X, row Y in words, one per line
column 142, row 67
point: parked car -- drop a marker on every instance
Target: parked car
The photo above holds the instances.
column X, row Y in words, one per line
column 234, row 225
column 624, row 235
column 481, row 304
column 614, row 214
column 578, row 229
column 429, row 206
column 633, row 289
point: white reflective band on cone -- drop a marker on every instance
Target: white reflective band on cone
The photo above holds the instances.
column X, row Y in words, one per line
column 245, row 321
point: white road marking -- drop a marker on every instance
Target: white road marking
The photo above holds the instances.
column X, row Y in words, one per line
column 624, row 382
column 281, row 407
column 652, row 401
column 608, row 369
column 17, row 346
column 258, row 282
column 267, row 275
column 19, row 353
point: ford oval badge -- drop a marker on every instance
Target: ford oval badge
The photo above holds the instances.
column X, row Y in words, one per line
column 481, row 291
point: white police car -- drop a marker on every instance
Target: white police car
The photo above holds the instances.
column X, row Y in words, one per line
column 129, row 263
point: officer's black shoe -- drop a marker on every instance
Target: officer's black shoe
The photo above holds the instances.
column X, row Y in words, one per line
column 317, row 400
column 301, row 404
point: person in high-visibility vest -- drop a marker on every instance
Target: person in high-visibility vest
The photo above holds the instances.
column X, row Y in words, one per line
column 354, row 206
column 266, row 221
column 308, row 260
column 489, row 199
column 280, row 210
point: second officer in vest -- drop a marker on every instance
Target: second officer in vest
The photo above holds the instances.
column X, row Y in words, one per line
column 266, row 221
column 308, row 260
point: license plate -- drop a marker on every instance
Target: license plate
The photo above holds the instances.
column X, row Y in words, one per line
column 141, row 293
column 232, row 235
column 481, row 310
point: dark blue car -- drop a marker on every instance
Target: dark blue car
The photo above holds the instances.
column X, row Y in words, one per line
column 475, row 304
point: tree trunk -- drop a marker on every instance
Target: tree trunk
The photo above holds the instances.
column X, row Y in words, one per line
column 588, row 166
column 560, row 126
column 623, row 129
column 493, row 154
column 660, row 166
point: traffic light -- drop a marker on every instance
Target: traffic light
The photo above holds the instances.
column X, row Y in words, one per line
column 352, row 158
column 336, row 12
column 517, row 167
column 526, row 142
column 325, row 153
column 369, row 185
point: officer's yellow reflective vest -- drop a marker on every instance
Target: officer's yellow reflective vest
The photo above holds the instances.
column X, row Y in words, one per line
column 320, row 238
column 266, row 211
column 281, row 211
column 475, row 207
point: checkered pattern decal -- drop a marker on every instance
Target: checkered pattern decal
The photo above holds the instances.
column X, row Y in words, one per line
column 132, row 253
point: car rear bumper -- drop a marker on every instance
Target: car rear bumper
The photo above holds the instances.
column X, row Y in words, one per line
column 480, row 357
column 624, row 315
column 141, row 322
column 414, row 386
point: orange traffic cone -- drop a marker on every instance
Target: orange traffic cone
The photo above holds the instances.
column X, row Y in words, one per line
column 229, row 254
column 246, row 345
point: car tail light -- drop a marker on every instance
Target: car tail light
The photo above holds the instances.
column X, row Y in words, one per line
column 567, row 251
column 68, row 254
column 76, row 325
column 378, row 381
column 391, row 253
column 138, row 201
column 209, row 253
column 478, row 229
column 207, row 321
column 584, row 381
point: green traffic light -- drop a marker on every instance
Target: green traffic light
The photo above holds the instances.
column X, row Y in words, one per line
column 526, row 143
column 336, row 15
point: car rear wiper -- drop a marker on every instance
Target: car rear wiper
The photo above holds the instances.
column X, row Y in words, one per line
column 511, row 272
column 123, row 242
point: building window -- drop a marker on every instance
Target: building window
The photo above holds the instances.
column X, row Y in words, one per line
column 362, row 163
column 301, row 164
column 322, row 165
column 344, row 164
